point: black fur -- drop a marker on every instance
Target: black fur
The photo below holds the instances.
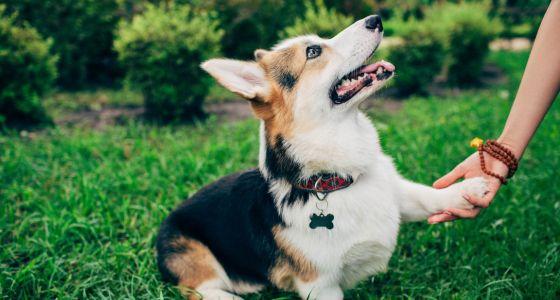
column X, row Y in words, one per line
column 287, row 80
column 279, row 164
column 296, row 195
column 233, row 217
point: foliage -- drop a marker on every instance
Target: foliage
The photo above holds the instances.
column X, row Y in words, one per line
column 462, row 32
column 397, row 25
column 419, row 59
column 27, row 71
column 522, row 17
column 468, row 31
column 359, row 8
column 81, row 207
column 162, row 50
column 82, row 31
column 318, row 19
column 251, row 24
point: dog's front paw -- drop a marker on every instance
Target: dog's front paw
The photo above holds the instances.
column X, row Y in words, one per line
column 476, row 187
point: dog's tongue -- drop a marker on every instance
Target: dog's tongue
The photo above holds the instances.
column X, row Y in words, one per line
column 373, row 67
column 366, row 71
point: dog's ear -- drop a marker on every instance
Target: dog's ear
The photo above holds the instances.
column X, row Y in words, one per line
column 244, row 78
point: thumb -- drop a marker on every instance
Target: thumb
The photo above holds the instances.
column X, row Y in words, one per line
column 449, row 178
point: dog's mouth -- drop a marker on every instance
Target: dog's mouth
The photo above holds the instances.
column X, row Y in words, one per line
column 364, row 76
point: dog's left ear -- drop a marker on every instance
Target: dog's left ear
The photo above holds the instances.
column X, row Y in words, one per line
column 244, row 78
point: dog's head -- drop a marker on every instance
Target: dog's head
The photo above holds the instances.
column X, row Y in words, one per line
column 307, row 80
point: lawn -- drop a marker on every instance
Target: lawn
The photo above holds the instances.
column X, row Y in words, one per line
column 80, row 207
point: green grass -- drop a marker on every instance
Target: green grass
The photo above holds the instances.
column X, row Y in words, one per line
column 80, row 207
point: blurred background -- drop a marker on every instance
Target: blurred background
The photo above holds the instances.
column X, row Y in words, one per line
column 107, row 123
column 90, row 55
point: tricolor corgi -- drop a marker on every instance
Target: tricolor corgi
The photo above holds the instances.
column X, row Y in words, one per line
column 322, row 210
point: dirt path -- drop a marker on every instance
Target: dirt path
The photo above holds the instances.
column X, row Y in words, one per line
column 100, row 118
column 229, row 111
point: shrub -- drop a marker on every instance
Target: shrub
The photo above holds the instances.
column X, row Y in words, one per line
column 396, row 26
column 249, row 25
column 82, row 31
column 522, row 17
column 318, row 19
column 468, row 31
column 419, row 59
column 162, row 49
column 259, row 29
column 27, row 71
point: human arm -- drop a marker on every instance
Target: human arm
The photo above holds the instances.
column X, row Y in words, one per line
column 538, row 89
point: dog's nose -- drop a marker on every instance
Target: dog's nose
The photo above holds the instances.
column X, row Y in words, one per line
column 373, row 22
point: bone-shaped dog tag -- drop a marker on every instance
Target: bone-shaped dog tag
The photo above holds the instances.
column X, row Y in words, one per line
column 321, row 220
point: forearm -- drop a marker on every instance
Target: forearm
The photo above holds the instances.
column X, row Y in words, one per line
column 539, row 86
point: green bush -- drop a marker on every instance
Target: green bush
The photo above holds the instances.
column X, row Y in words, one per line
column 318, row 19
column 82, row 31
column 162, row 49
column 27, row 71
column 249, row 25
column 468, row 31
column 419, row 59
column 522, row 17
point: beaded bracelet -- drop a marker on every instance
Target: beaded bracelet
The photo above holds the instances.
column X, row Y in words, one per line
column 500, row 153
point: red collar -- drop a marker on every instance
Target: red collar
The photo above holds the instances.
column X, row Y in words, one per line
column 325, row 183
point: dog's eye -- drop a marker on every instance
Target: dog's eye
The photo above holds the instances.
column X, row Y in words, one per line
column 313, row 51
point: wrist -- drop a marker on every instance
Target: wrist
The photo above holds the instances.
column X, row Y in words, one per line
column 511, row 145
column 498, row 151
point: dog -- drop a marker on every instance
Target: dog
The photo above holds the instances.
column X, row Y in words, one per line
column 322, row 210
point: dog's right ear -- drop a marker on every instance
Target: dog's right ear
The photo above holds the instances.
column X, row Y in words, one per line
column 244, row 78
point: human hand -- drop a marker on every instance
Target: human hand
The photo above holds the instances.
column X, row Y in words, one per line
column 469, row 168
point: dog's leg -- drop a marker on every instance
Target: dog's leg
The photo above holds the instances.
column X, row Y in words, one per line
column 418, row 201
column 193, row 266
column 319, row 290
column 214, row 290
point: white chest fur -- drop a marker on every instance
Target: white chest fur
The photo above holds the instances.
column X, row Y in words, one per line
column 366, row 214
column 366, row 222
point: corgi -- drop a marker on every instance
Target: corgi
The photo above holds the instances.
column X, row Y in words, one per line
column 322, row 210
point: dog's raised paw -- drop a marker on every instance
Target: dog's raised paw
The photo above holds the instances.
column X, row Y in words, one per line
column 477, row 187
column 474, row 187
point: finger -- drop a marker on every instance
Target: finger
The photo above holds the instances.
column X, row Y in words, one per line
column 464, row 213
column 443, row 217
column 449, row 178
column 483, row 202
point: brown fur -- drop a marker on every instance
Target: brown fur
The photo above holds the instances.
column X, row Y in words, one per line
column 193, row 266
column 291, row 264
column 277, row 108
